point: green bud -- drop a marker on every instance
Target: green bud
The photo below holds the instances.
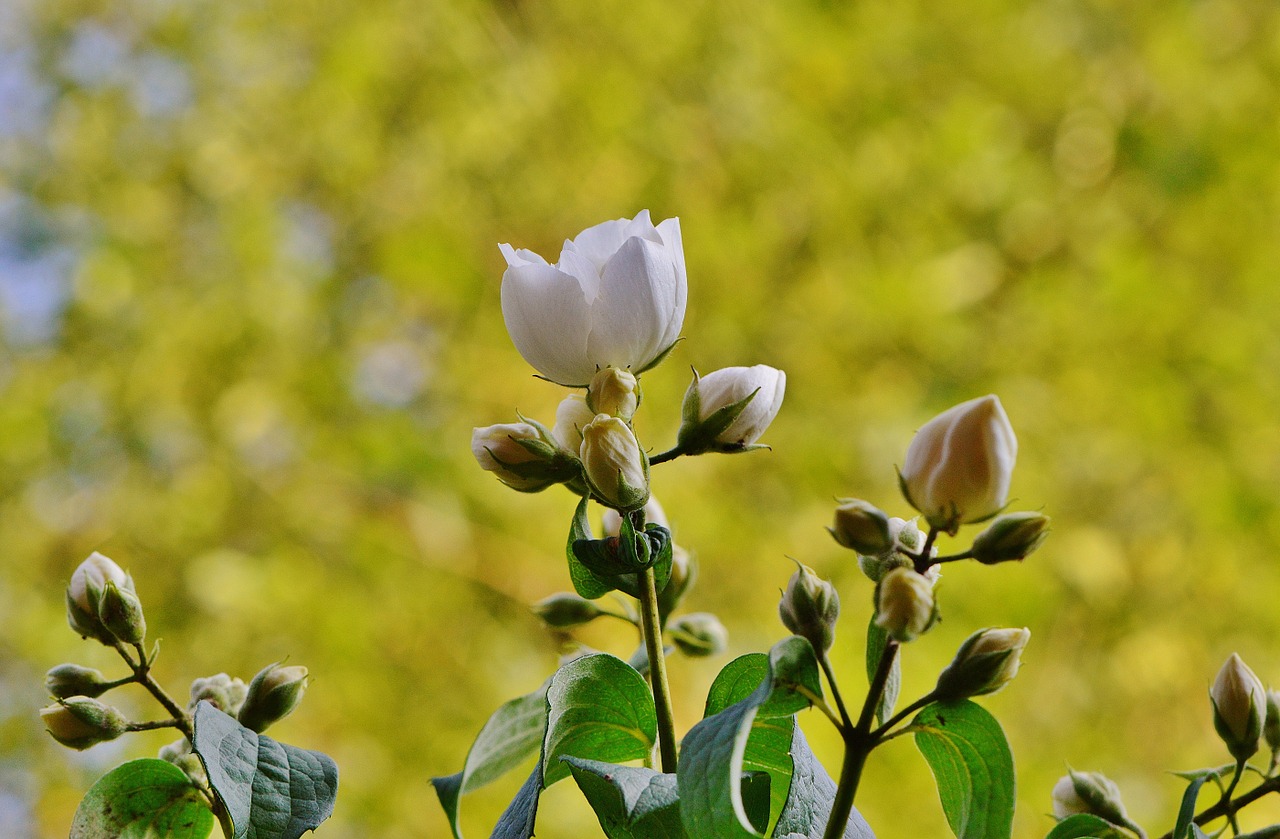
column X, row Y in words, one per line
column 699, row 634
column 810, row 607
column 905, row 607
column 84, row 595
column 614, row 392
column 220, row 690
column 862, row 527
column 121, row 613
column 566, row 610
column 80, row 722
column 68, row 680
column 1239, row 707
column 272, row 696
column 1011, row 536
column 1088, row 792
column 985, row 662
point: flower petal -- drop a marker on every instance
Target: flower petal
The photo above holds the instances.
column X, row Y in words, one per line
column 639, row 297
column 547, row 317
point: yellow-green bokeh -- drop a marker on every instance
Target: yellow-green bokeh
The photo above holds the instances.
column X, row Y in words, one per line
column 280, row 320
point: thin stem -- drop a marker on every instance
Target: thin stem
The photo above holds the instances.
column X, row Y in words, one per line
column 670, row 454
column 651, row 625
column 846, row 724
column 858, row 743
column 938, row 560
column 922, row 559
column 151, row 726
column 879, row 734
column 1226, row 796
column 142, row 674
column 1220, row 809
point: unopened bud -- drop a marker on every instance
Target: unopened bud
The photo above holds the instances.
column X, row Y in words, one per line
column 985, row 662
column 729, row 409
column 225, row 693
column 1239, row 707
column 121, row 613
column 80, row 722
column 905, row 606
column 810, row 608
column 68, row 680
column 1088, row 792
column 572, row 415
column 272, row 696
column 565, row 610
column 699, row 634
column 684, row 573
column 1011, row 536
column 1271, row 728
column 862, row 527
column 615, row 466
column 614, row 392
column 84, row 594
column 524, row 455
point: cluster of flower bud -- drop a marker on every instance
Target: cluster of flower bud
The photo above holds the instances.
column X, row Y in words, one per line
column 102, row 604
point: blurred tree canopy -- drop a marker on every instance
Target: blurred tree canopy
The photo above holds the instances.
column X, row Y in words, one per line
column 249, row 314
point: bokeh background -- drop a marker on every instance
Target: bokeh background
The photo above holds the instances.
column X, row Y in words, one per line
column 249, row 313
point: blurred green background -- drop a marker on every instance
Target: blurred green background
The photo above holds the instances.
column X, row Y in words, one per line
column 249, row 290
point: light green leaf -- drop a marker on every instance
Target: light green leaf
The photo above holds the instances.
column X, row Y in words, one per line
column 1086, row 826
column 270, row 790
column 877, row 639
column 143, row 799
column 600, row 708
column 509, row 736
column 970, row 758
column 1185, row 823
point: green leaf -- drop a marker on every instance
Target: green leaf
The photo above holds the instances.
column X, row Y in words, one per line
column 509, row 736
column 1086, row 826
column 143, row 799
column 630, row 802
column 714, row 752
column 970, row 758
column 270, row 790
column 585, row 583
column 877, row 639
column 1182, row 828
column 809, row 800
column 600, row 708
column 518, row 819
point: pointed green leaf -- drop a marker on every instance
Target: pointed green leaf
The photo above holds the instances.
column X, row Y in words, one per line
column 630, row 802
column 507, row 739
column 1182, row 828
column 142, row 799
column 585, row 583
column 809, row 800
column 600, row 708
column 877, row 639
column 518, row 819
column 1086, row 826
column 270, row 790
column 970, row 758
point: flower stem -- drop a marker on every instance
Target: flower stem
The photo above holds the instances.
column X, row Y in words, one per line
column 651, row 625
column 669, row 454
column 1225, row 805
column 142, row 675
column 858, row 743
column 1226, row 797
column 152, row 726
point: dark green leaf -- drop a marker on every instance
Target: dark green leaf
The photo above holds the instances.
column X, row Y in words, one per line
column 630, row 802
column 1086, row 826
column 600, row 708
column 877, row 639
column 714, row 752
column 1187, row 810
column 970, row 758
column 518, row 819
column 270, row 790
column 140, row 799
column 510, row 735
column 585, row 583
column 809, row 799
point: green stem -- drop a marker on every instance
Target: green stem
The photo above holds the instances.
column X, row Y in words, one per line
column 651, row 625
column 880, row 732
column 858, row 743
column 670, row 454
column 142, row 674
column 1224, row 806
column 1226, row 796
column 922, row 559
column 846, row 723
column 152, row 726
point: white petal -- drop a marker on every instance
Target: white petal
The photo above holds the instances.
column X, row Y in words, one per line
column 674, row 244
column 547, row 317
column 638, row 299
column 601, row 242
column 523, row 256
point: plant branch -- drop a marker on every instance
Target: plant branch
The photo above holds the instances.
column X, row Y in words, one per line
column 879, row 734
column 845, row 725
column 152, row 726
column 670, row 454
column 651, row 626
column 142, row 674
column 1222, row 807
column 923, row 560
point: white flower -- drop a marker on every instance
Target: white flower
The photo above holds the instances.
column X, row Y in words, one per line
column 616, row 298
column 723, row 389
column 959, row 465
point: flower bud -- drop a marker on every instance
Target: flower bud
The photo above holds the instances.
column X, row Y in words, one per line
column 523, row 455
column 959, row 464
column 1011, row 536
column 684, row 573
column 80, row 722
column 728, row 410
column 272, row 696
column 615, row 466
column 699, row 634
column 572, row 415
column 862, row 527
column 1088, row 792
column 84, row 594
column 566, row 610
column 614, row 392
column 1239, row 707
column 985, row 662
column 220, row 690
column 810, row 607
column 905, row 606
column 121, row 613
column 1271, row 728
column 68, row 680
